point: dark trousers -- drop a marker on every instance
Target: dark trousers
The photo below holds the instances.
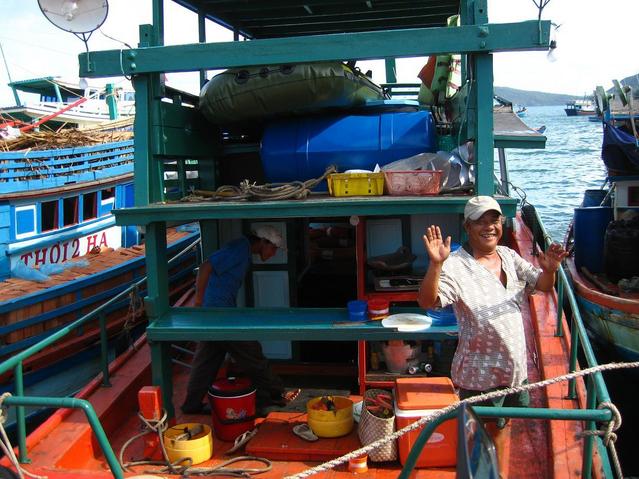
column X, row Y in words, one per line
column 209, row 356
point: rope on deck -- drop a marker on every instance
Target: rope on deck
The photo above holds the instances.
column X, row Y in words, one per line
column 608, row 434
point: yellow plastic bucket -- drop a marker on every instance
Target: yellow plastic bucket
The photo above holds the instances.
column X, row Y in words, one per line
column 199, row 447
column 331, row 423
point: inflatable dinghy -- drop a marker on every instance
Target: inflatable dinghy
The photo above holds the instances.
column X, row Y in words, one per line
column 261, row 92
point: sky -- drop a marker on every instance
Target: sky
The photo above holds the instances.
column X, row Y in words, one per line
column 591, row 38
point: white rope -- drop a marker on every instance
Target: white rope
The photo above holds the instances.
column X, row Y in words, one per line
column 608, row 434
column 487, row 396
column 6, row 446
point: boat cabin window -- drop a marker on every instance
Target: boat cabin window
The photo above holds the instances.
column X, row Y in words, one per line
column 107, row 200
column 128, row 96
column 49, row 215
column 89, row 206
column 25, row 221
column 70, row 211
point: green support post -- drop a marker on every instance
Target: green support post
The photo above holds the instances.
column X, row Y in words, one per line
column 104, row 350
column 572, row 367
column 148, row 168
column 157, row 38
column 112, row 102
column 58, row 94
column 591, row 403
column 161, row 373
column 391, row 70
column 157, row 304
column 21, row 425
column 142, row 132
column 201, row 29
column 157, row 271
column 559, row 331
column 484, row 173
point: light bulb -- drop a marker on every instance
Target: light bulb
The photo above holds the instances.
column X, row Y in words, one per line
column 69, row 9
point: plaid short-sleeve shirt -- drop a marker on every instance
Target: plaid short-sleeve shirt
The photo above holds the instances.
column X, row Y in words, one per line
column 492, row 348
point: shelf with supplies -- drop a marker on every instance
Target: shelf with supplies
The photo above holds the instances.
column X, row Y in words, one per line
column 396, row 287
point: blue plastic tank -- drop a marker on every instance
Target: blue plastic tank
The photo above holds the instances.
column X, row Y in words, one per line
column 589, row 231
column 593, row 197
column 302, row 148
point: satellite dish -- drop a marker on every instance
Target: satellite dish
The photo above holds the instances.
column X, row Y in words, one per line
column 80, row 17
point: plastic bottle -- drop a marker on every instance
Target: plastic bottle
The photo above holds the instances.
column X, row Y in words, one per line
column 374, row 361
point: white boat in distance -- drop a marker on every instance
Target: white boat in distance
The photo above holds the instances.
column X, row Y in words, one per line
column 84, row 105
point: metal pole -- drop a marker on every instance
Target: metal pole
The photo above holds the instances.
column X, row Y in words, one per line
column 104, row 350
column 6, row 66
column 559, row 331
column 20, row 417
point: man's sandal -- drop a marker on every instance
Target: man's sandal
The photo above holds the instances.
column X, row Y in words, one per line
column 241, row 440
column 305, row 432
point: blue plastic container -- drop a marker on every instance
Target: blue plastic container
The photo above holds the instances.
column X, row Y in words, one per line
column 593, row 197
column 589, row 231
column 302, row 148
column 357, row 310
column 443, row 316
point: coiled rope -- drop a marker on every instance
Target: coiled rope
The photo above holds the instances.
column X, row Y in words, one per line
column 183, row 466
column 608, row 433
column 253, row 192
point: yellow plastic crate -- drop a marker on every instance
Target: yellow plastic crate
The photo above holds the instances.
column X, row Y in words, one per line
column 356, row 184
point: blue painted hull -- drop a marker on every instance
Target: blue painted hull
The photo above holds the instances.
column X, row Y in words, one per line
column 614, row 329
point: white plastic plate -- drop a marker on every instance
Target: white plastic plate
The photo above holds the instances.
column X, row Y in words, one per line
column 407, row 322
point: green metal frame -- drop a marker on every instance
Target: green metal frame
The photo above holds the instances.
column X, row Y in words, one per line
column 464, row 39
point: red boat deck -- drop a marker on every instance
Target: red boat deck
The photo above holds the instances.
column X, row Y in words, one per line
column 65, row 447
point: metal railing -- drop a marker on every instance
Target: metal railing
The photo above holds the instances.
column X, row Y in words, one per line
column 15, row 363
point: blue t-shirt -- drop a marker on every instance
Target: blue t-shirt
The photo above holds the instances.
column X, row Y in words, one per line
column 230, row 264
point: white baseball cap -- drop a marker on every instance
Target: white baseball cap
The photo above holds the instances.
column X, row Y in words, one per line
column 478, row 205
column 271, row 234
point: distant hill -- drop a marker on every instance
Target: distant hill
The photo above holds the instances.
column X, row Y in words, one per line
column 533, row 98
column 540, row 98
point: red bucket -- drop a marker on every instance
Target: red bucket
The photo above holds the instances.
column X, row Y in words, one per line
column 232, row 407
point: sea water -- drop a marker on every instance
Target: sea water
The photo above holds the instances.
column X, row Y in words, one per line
column 554, row 178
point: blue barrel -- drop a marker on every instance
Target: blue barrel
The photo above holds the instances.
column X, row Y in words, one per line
column 302, row 148
column 593, row 197
column 589, row 232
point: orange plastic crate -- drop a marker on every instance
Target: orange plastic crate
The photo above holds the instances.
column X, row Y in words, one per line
column 413, row 183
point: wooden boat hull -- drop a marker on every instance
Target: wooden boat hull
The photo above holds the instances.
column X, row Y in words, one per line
column 611, row 320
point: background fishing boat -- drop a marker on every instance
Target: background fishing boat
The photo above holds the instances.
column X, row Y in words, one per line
column 66, row 104
column 62, row 255
column 605, row 234
column 580, row 108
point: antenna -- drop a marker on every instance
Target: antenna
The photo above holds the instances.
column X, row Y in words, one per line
column 80, row 17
